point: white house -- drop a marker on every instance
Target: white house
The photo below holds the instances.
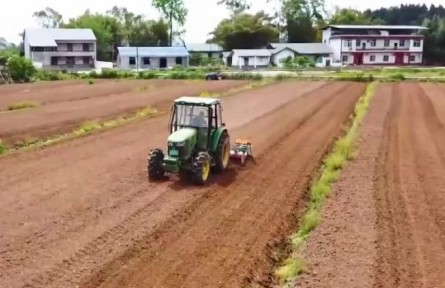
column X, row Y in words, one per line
column 375, row 44
column 315, row 51
column 60, row 48
column 249, row 58
column 152, row 57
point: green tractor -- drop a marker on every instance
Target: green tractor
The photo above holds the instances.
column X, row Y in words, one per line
column 198, row 142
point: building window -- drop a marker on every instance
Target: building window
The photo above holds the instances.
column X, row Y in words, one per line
column 344, row 58
column 178, row 60
column 132, row 61
column 69, row 47
column 209, row 54
column 373, row 43
column 146, row 60
column 386, row 43
column 416, row 43
column 70, row 61
column 385, row 58
column 402, row 43
column 86, row 60
column 372, row 58
column 412, row 58
column 348, row 43
column 86, row 47
column 54, row 61
column 358, row 43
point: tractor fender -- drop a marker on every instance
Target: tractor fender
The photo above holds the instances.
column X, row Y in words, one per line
column 216, row 136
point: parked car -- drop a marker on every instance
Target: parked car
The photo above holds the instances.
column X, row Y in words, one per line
column 216, row 76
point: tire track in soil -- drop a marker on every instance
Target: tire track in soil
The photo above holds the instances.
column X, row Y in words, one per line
column 213, row 240
column 410, row 194
column 85, row 216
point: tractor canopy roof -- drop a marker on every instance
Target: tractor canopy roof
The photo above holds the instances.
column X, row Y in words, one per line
column 202, row 101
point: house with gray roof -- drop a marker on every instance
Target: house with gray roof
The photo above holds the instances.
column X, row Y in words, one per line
column 61, row 48
column 315, row 51
column 152, row 57
column 209, row 50
column 249, row 58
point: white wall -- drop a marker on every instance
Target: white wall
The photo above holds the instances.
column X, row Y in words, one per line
column 415, row 49
column 124, row 62
column 335, row 45
column 326, row 35
column 252, row 61
column 280, row 56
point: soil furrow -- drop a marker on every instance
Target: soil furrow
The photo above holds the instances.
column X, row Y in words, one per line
column 234, row 226
column 89, row 198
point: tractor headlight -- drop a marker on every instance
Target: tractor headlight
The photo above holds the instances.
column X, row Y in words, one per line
column 180, row 144
column 170, row 144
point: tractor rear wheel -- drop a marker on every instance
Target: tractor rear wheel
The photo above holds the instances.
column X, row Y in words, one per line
column 155, row 167
column 222, row 153
column 201, row 168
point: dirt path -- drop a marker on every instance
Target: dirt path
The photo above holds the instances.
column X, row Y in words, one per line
column 83, row 90
column 387, row 228
column 65, row 116
column 68, row 210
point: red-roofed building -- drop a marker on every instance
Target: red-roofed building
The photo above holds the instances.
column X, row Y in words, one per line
column 375, row 44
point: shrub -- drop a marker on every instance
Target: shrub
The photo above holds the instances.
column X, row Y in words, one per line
column 21, row 69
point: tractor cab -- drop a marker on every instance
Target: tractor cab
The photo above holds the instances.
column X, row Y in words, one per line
column 195, row 113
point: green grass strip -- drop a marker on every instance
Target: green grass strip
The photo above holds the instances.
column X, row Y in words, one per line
column 321, row 188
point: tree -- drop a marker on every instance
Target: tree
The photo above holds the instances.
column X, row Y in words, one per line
column 300, row 18
column 48, row 18
column 352, row 16
column 245, row 31
column 173, row 10
column 20, row 68
column 434, row 48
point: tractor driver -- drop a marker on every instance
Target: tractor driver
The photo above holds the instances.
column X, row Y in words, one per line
column 199, row 121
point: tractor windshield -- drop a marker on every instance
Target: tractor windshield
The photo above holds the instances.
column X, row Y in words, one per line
column 194, row 116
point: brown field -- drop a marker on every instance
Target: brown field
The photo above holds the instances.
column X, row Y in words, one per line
column 83, row 214
column 67, row 107
column 384, row 225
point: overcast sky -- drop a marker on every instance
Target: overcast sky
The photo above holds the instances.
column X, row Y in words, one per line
column 203, row 15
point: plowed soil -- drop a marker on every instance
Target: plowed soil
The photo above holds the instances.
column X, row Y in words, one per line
column 72, row 91
column 385, row 223
column 83, row 214
column 65, row 116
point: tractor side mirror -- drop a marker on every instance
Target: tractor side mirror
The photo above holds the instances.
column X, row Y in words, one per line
column 223, row 124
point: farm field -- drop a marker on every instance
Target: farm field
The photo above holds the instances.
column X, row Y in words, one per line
column 83, row 214
column 384, row 225
column 48, row 93
column 68, row 107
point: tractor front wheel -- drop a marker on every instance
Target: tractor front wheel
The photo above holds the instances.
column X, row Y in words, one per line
column 222, row 153
column 155, row 167
column 201, row 168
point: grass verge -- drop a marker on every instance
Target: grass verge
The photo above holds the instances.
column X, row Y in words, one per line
column 22, row 105
column 321, row 188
